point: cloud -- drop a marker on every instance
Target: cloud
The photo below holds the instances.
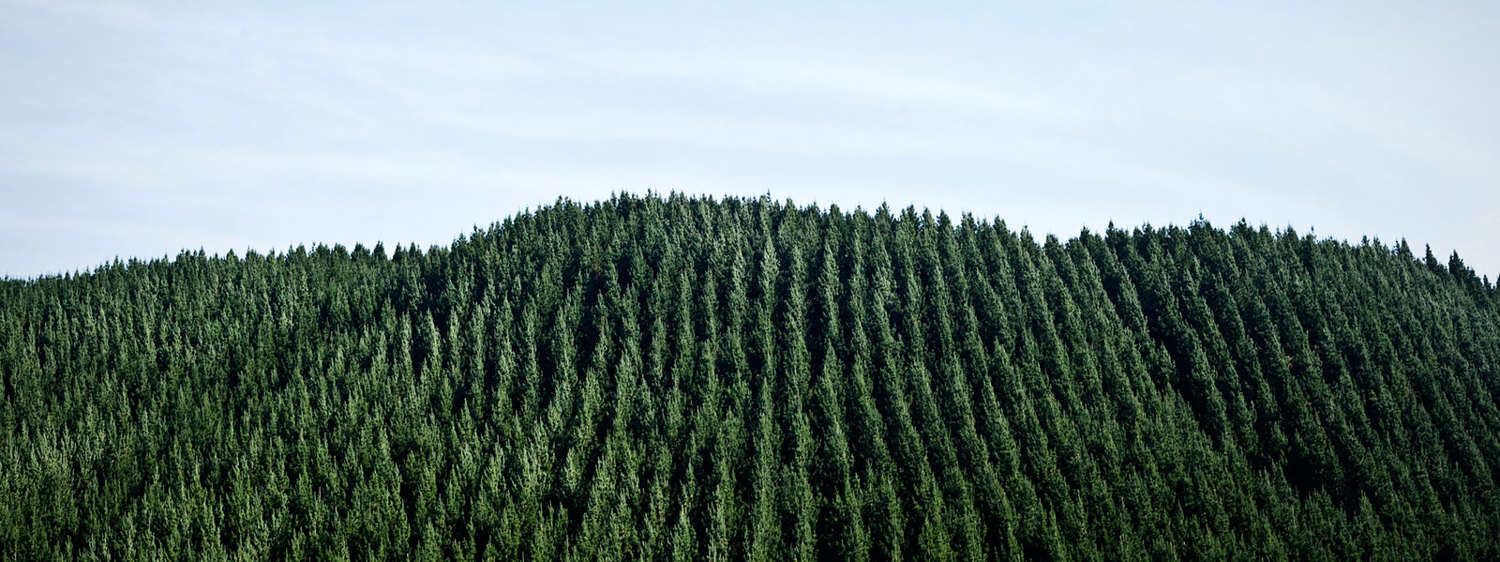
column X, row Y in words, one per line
column 845, row 79
column 1050, row 120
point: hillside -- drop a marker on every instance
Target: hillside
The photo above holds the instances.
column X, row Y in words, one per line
column 695, row 379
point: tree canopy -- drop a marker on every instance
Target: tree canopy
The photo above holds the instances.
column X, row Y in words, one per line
column 682, row 378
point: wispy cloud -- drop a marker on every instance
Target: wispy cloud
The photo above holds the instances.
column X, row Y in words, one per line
column 845, row 79
column 1356, row 125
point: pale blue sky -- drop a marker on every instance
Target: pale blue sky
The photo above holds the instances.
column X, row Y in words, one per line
column 140, row 129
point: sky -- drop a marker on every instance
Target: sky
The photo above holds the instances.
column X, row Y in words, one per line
column 140, row 129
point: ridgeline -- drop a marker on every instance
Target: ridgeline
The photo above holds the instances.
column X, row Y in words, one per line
column 695, row 379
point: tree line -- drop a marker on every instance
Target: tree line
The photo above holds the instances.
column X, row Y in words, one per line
column 689, row 378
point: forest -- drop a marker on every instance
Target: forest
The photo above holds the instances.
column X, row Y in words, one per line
column 666, row 377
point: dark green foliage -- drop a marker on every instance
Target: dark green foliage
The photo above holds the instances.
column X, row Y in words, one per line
column 690, row 379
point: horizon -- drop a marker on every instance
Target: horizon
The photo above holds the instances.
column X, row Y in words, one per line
column 1023, row 231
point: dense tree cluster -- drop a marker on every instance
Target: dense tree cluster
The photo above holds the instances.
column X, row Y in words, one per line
column 689, row 379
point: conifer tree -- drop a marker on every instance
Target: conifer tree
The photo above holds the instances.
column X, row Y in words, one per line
column 672, row 377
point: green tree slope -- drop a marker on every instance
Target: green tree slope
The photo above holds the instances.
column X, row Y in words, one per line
column 678, row 378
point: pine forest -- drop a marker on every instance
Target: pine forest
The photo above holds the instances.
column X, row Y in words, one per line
column 666, row 377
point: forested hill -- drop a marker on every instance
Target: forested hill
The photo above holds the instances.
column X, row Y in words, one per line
column 691, row 379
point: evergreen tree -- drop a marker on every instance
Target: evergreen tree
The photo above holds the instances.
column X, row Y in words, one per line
column 671, row 377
